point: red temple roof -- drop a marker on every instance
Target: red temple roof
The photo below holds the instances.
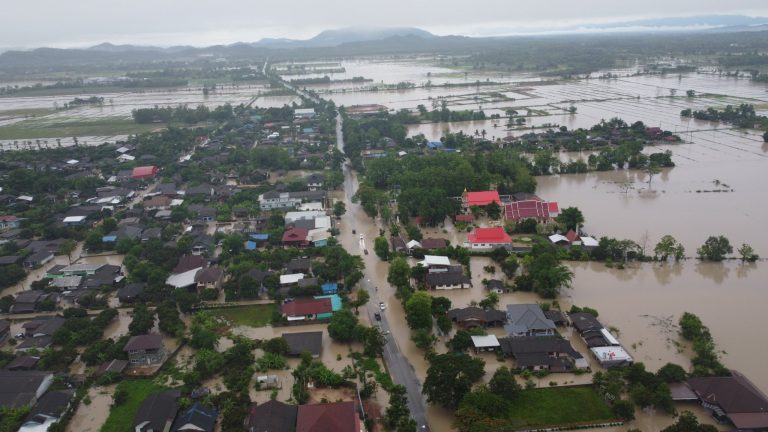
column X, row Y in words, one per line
column 489, row 235
column 482, row 198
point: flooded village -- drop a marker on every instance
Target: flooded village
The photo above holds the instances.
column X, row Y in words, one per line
column 372, row 237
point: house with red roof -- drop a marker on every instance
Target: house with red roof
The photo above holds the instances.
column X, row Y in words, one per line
column 144, row 172
column 541, row 211
column 9, row 222
column 296, row 237
column 328, row 417
column 466, row 218
column 307, row 309
column 480, row 199
column 488, row 238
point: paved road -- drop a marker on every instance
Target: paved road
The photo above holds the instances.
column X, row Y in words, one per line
column 399, row 367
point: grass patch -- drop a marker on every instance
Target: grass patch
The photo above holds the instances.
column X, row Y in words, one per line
column 121, row 417
column 38, row 128
column 252, row 315
column 559, row 406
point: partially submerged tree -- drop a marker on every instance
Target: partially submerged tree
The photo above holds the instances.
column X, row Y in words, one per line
column 571, row 218
column 715, row 248
column 747, row 253
column 667, row 247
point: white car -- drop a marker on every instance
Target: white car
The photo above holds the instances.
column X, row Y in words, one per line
column 361, row 236
column 382, row 306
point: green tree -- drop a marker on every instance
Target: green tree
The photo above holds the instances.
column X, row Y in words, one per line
column 398, row 407
column 424, row 340
column 504, row 384
column 381, row 247
column 414, row 233
column 343, row 326
column 548, row 275
column 203, row 338
column 362, row 298
column 339, row 208
column 418, row 311
column 67, row 248
column 490, row 301
column 571, row 218
column 715, row 248
column 672, row 373
column 747, row 253
column 373, row 341
column 687, row 422
column 450, row 377
column 143, row 320
column 399, row 276
column 276, row 345
column 667, row 247
column 493, row 210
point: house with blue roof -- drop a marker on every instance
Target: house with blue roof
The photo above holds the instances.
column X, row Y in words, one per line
column 329, row 288
column 196, row 418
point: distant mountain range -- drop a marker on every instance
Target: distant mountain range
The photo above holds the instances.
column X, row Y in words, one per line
column 357, row 41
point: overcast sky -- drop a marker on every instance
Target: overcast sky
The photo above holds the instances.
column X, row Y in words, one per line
column 61, row 23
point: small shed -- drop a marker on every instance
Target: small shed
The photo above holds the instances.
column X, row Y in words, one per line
column 485, row 343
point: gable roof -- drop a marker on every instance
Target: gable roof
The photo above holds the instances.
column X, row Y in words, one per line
column 526, row 317
column 144, row 342
column 584, row 322
column 489, row 235
column 447, row 278
column 307, row 307
column 18, row 388
column 735, row 394
column 188, row 262
column 209, row 275
column 272, row 416
column 474, row 313
column 52, row 404
column 483, row 198
column 528, row 209
column 195, row 418
column 331, row 417
column 311, row 342
column 157, row 411
column 295, row 234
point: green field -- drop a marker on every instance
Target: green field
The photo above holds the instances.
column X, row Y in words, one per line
column 253, row 315
column 121, row 417
column 40, row 128
column 559, row 406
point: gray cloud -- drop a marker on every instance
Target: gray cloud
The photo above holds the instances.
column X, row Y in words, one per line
column 204, row 22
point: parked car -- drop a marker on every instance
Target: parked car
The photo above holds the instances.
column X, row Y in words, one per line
column 377, row 316
column 382, row 306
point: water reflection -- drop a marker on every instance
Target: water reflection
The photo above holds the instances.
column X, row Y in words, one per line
column 666, row 271
column 743, row 270
column 717, row 272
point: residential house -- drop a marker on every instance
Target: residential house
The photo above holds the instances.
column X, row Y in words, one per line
column 10, row 260
column 9, row 222
column 196, row 418
column 48, row 410
column 298, row 343
column 604, row 346
column 23, row 388
column 433, row 243
column 733, row 399
column 145, row 350
column 144, row 172
column 159, row 202
column 304, row 113
column 22, row 363
column 488, row 239
column 398, row 244
column 115, row 367
column 528, row 320
column 479, row 199
column 336, row 417
column 299, row 265
column 307, row 309
column 472, row 316
column 271, row 416
column 553, row 354
column 296, row 237
column 315, row 182
column 130, row 292
column 38, row 259
column 485, row 343
column 209, row 278
column 157, row 412
column 496, row 286
column 447, row 281
column 436, row 263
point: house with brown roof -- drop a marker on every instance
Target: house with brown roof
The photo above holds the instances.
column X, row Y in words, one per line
column 307, row 309
column 145, row 350
column 209, row 278
column 447, row 281
column 271, row 416
column 329, row 417
column 477, row 317
column 296, row 237
column 733, row 398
